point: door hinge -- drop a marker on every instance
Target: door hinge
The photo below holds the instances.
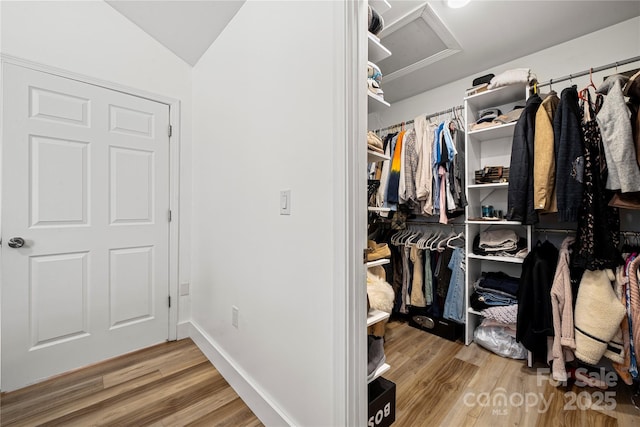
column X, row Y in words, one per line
column 169, row 215
column 169, row 301
column 170, row 130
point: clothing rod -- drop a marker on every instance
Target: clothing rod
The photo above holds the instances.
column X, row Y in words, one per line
column 428, row 116
column 397, row 125
column 592, row 70
column 448, row 110
column 410, row 222
column 567, row 231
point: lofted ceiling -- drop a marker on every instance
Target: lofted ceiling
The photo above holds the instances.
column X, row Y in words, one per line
column 186, row 28
column 431, row 44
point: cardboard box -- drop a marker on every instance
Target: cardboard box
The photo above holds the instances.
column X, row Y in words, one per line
column 382, row 403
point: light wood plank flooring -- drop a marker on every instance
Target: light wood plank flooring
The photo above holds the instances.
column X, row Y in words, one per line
column 171, row 384
column 444, row 383
column 438, row 383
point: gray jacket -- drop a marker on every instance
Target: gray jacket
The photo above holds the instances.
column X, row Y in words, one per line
column 614, row 120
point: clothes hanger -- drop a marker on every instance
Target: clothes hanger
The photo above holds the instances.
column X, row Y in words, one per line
column 442, row 244
column 394, row 238
column 425, row 237
column 434, row 243
column 458, row 236
column 410, row 240
column 402, row 236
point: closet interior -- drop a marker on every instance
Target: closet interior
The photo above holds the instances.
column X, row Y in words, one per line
column 511, row 220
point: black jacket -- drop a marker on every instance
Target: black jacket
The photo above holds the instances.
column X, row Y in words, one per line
column 520, row 196
column 535, row 317
column 569, row 150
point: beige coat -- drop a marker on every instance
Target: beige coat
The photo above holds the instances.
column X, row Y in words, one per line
column 544, row 166
column 562, row 309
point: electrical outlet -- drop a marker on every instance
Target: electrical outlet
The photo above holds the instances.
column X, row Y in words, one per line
column 184, row 289
column 234, row 316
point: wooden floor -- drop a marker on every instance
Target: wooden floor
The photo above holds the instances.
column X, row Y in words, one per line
column 438, row 383
column 172, row 384
column 444, row 383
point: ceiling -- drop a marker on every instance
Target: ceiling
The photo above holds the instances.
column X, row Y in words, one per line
column 431, row 44
column 186, row 28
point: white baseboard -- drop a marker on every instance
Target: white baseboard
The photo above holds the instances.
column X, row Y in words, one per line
column 184, row 330
column 261, row 406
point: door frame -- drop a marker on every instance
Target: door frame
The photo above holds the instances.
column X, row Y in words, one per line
column 174, row 165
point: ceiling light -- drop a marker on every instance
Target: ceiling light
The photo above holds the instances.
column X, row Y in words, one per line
column 455, row 4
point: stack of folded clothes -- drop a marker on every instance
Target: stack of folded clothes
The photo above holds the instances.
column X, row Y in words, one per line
column 374, row 142
column 496, row 289
column 500, row 242
column 374, row 79
column 495, row 296
column 494, row 117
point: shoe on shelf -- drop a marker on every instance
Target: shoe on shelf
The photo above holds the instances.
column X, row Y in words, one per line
column 377, row 251
column 375, row 355
column 374, row 88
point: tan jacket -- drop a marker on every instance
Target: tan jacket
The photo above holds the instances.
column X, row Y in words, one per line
column 562, row 309
column 544, row 166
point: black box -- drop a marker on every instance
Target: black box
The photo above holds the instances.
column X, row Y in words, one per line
column 382, row 403
column 444, row 328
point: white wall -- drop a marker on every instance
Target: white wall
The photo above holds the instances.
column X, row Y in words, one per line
column 263, row 122
column 606, row 46
column 93, row 39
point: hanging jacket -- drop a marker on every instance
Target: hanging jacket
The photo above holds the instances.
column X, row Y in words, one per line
column 614, row 120
column 564, row 342
column 569, row 150
column 544, row 168
column 520, row 195
column 535, row 318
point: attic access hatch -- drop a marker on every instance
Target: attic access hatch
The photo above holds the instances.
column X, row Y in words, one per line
column 417, row 39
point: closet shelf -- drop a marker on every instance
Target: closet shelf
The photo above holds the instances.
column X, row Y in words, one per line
column 472, row 311
column 493, row 132
column 377, row 262
column 498, row 222
column 376, row 103
column 377, row 52
column 373, row 156
column 381, row 370
column 492, row 185
column 381, row 6
column 376, row 316
column 376, row 209
column 495, row 97
column 507, row 259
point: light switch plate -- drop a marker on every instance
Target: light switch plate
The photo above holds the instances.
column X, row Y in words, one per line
column 285, row 202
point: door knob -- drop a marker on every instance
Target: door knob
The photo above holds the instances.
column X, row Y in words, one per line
column 16, row 242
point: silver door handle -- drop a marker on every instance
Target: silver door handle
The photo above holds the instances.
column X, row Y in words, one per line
column 16, row 242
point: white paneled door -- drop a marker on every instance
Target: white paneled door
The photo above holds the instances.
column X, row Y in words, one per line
column 85, row 224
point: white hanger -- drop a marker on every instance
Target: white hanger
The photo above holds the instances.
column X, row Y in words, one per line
column 458, row 236
column 403, row 236
column 442, row 244
column 411, row 239
column 394, row 238
column 434, row 241
column 423, row 240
